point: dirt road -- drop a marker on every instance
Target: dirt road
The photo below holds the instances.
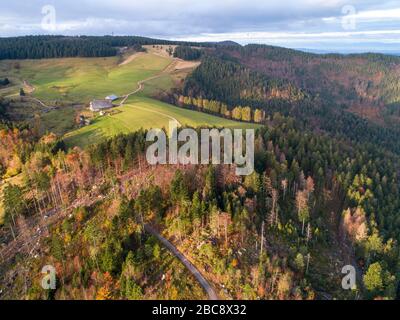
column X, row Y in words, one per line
column 192, row 269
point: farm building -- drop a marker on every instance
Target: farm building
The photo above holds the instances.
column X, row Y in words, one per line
column 112, row 97
column 98, row 105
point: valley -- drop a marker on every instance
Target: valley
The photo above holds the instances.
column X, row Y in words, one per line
column 76, row 190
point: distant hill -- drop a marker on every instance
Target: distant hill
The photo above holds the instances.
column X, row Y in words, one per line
column 347, row 52
column 229, row 43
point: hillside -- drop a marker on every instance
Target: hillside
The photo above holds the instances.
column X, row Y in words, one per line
column 366, row 80
column 70, row 84
column 312, row 206
column 356, row 97
column 81, row 197
column 79, row 80
column 367, row 85
column 143, row 113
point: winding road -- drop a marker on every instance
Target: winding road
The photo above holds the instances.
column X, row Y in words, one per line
column 32, row 89
column 212, row 295
column 141, row 87
column 141, row 83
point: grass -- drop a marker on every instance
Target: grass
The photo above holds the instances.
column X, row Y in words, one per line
column 158, row 85
column 59, row 121
column 80, row 80
column 146, row 113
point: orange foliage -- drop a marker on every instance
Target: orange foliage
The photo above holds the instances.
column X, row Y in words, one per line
column 107, row 290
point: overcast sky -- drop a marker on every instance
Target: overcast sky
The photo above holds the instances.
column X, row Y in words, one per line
column 331, row 25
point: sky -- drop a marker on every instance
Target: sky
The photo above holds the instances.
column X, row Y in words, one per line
column 317, row 25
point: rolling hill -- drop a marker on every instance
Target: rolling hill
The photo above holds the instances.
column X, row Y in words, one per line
column 79, row 80
column 69, row 81
column 144, row 113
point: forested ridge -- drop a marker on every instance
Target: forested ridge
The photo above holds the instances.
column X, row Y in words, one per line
column 223, row 79
column 40, row 47
column 350, row 79
column 365, row 84
column 233, row 83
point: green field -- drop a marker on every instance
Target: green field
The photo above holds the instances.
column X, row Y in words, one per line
column 146, row 113
column 80, row 80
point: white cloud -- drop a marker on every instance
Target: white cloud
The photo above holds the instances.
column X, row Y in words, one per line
column 268, row 37
column 290, row 22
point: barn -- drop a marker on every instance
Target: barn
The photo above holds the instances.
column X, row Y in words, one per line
column 98, row 105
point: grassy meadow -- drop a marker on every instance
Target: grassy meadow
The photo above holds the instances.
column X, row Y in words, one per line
column 146, row 113
column 79, row 80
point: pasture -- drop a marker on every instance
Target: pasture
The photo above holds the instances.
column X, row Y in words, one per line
column 146, row 113
column 79, row 80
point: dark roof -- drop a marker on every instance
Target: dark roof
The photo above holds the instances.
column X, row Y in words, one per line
column 100, row 104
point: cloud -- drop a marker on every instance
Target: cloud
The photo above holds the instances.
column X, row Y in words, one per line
column 290, row 23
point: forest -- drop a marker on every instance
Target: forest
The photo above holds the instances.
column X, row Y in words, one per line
column 232, row 87
column 312, row 199
column 187, row 53
column 346, row 79
column 41, row 47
